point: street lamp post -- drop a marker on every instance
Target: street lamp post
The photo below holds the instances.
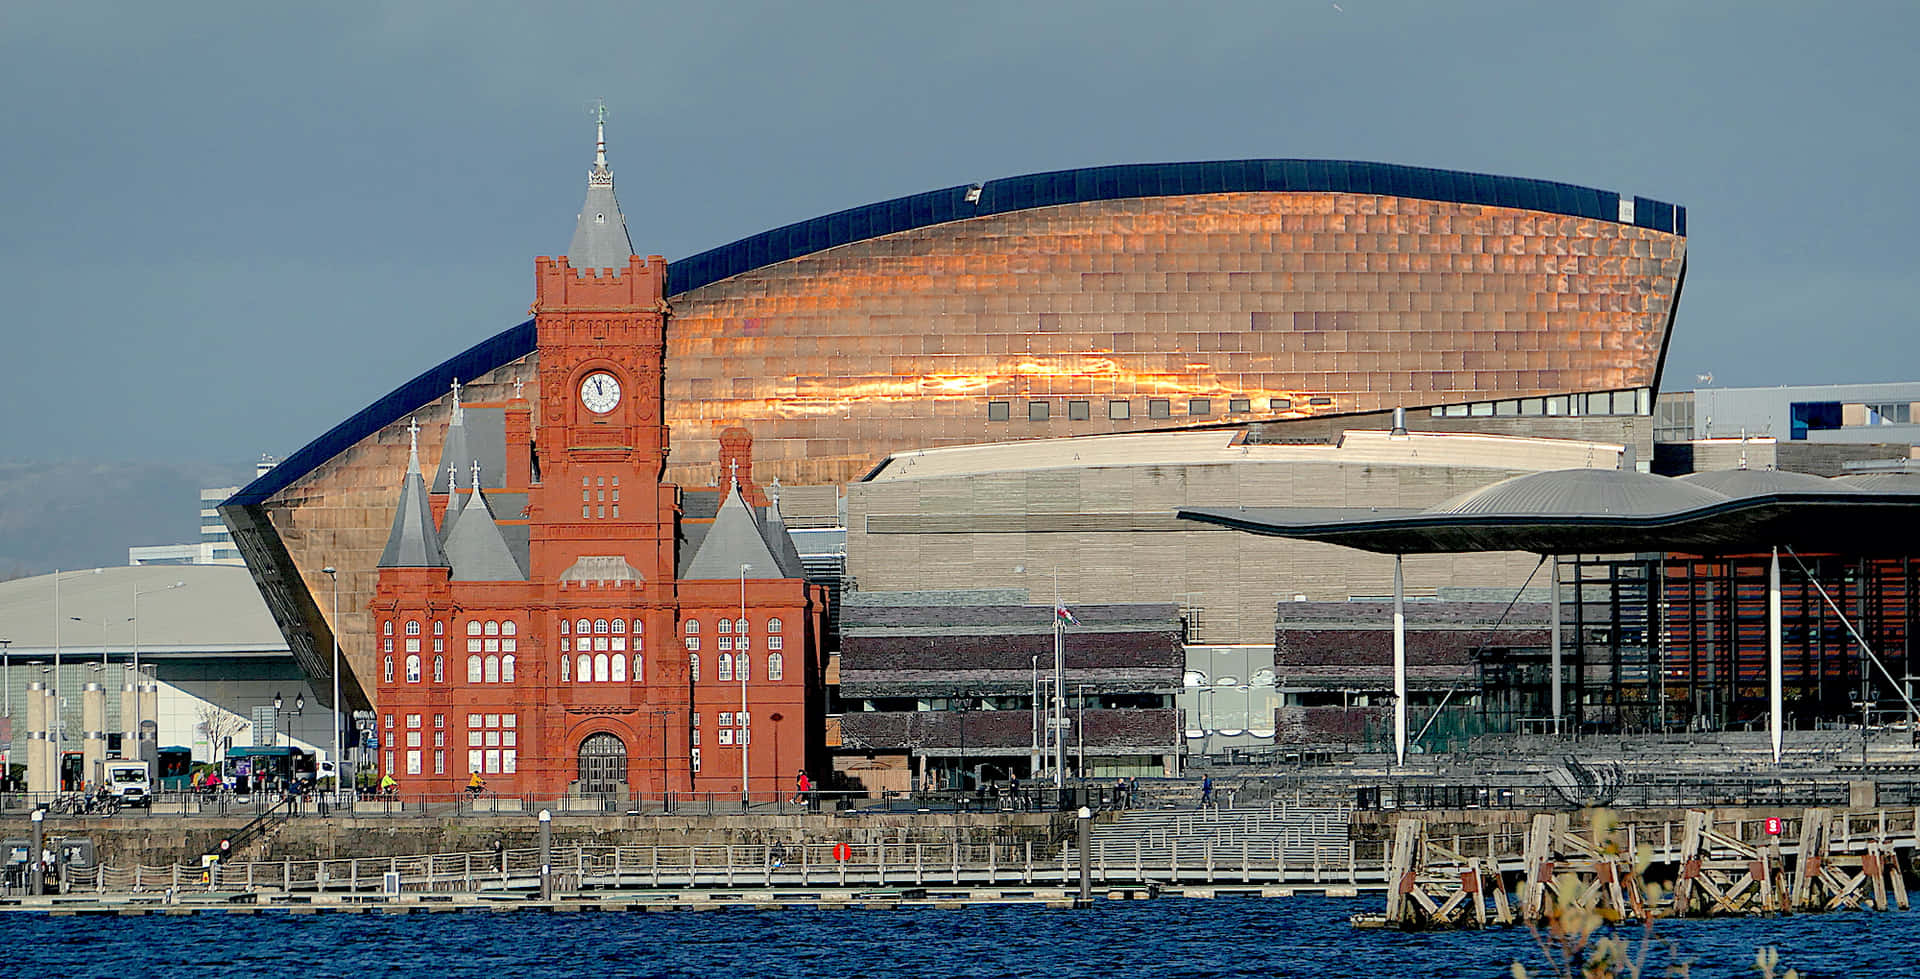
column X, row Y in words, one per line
column 133, row 686
column 740, row 667
column 6, row 658
column 333, row 627
column 1866, row 713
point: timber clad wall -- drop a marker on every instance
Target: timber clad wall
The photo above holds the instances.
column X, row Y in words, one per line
column 1342, row 644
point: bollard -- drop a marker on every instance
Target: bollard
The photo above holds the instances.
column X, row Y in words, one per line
column 546, row 854
column 1086, row 868
column 38, row 881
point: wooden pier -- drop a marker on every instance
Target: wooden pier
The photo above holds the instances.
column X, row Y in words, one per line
column 1822, row 860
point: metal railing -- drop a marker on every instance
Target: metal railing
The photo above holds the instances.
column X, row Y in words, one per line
column 581, row 867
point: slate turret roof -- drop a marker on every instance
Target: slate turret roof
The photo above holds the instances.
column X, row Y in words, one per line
column 738, row 536
column 600, row 236
column 476, row 548
column 413, row 542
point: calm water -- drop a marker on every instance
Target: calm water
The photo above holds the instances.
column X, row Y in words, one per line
column 1178, row 939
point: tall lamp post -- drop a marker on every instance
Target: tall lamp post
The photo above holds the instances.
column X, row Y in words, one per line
column 6, row 658
column 134, row 686
column 740, row 667
column 333, row 627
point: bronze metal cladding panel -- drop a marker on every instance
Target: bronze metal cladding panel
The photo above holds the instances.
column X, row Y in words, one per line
column 1189, row 310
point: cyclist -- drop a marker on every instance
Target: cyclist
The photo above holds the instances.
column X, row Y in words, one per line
column 476, row 784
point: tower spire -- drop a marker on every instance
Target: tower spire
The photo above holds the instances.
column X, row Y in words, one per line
column 600, row 235
column 600, row 135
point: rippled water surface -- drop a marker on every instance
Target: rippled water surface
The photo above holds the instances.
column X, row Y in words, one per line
column 1178, row 939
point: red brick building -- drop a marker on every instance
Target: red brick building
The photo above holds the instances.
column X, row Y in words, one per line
column 559, row 625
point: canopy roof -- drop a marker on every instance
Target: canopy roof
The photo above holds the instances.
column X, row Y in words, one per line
column 1593, row 511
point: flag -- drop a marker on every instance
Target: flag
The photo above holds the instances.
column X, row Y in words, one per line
column 1064, row 617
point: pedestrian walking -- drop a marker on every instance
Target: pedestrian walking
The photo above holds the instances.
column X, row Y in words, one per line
column 802, row 787
column 1206, row 791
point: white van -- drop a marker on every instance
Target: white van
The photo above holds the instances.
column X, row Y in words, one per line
column 131, row 781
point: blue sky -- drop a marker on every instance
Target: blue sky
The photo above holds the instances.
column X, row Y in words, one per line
column 228, row 226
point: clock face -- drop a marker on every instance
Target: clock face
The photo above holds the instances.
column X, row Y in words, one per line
column 600, row 392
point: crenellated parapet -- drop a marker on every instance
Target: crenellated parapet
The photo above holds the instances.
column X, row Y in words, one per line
column 642, row 284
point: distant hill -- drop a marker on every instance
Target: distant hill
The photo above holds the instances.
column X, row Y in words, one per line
column 86, row 514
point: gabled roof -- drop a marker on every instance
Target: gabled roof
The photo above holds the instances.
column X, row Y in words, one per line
column 413, row 542
column 476, row 548
column 737, row 537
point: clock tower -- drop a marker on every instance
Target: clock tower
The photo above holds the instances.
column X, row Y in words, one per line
column 600, row 314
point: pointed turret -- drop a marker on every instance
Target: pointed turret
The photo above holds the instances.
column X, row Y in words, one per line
column 476, row 548
column 774, row 529
column 454, row 454
column 412, row 543
column 738, row 537
column 600, row 236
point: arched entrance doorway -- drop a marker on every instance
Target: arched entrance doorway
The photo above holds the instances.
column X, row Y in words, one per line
column 603, row 764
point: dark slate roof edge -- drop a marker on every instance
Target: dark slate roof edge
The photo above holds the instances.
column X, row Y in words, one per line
column 495, row 351
column 1274, row 522
column 1058, row 187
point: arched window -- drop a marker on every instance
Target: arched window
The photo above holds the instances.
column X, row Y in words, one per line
column 386, row 670
column 439, row 628
column 584, row 669
column 493, row 669
column 726, row 668
column 619, row 665
column 473, row 669
column 599, row 627
column 740, row 626
column 507, row 628
column 387, row 629
column 566, row 668
column 413, row 627
column 493, row 628
column 639, row 628
column 740, row 667
column 413, row 669
column 773, row 626
column 600, row 668
column 693, row 667
column 619, row 627
column 639, row 668
column 439, row 669
column 565, row 626
column 776, row 666
column 693, row 627
column 726, row 627
column 582, row 627
column 506, row 668
column 473, row 627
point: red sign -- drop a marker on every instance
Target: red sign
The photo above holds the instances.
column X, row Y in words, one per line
column 1773, row 825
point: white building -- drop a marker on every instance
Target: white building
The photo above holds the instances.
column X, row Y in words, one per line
column 202, row 632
